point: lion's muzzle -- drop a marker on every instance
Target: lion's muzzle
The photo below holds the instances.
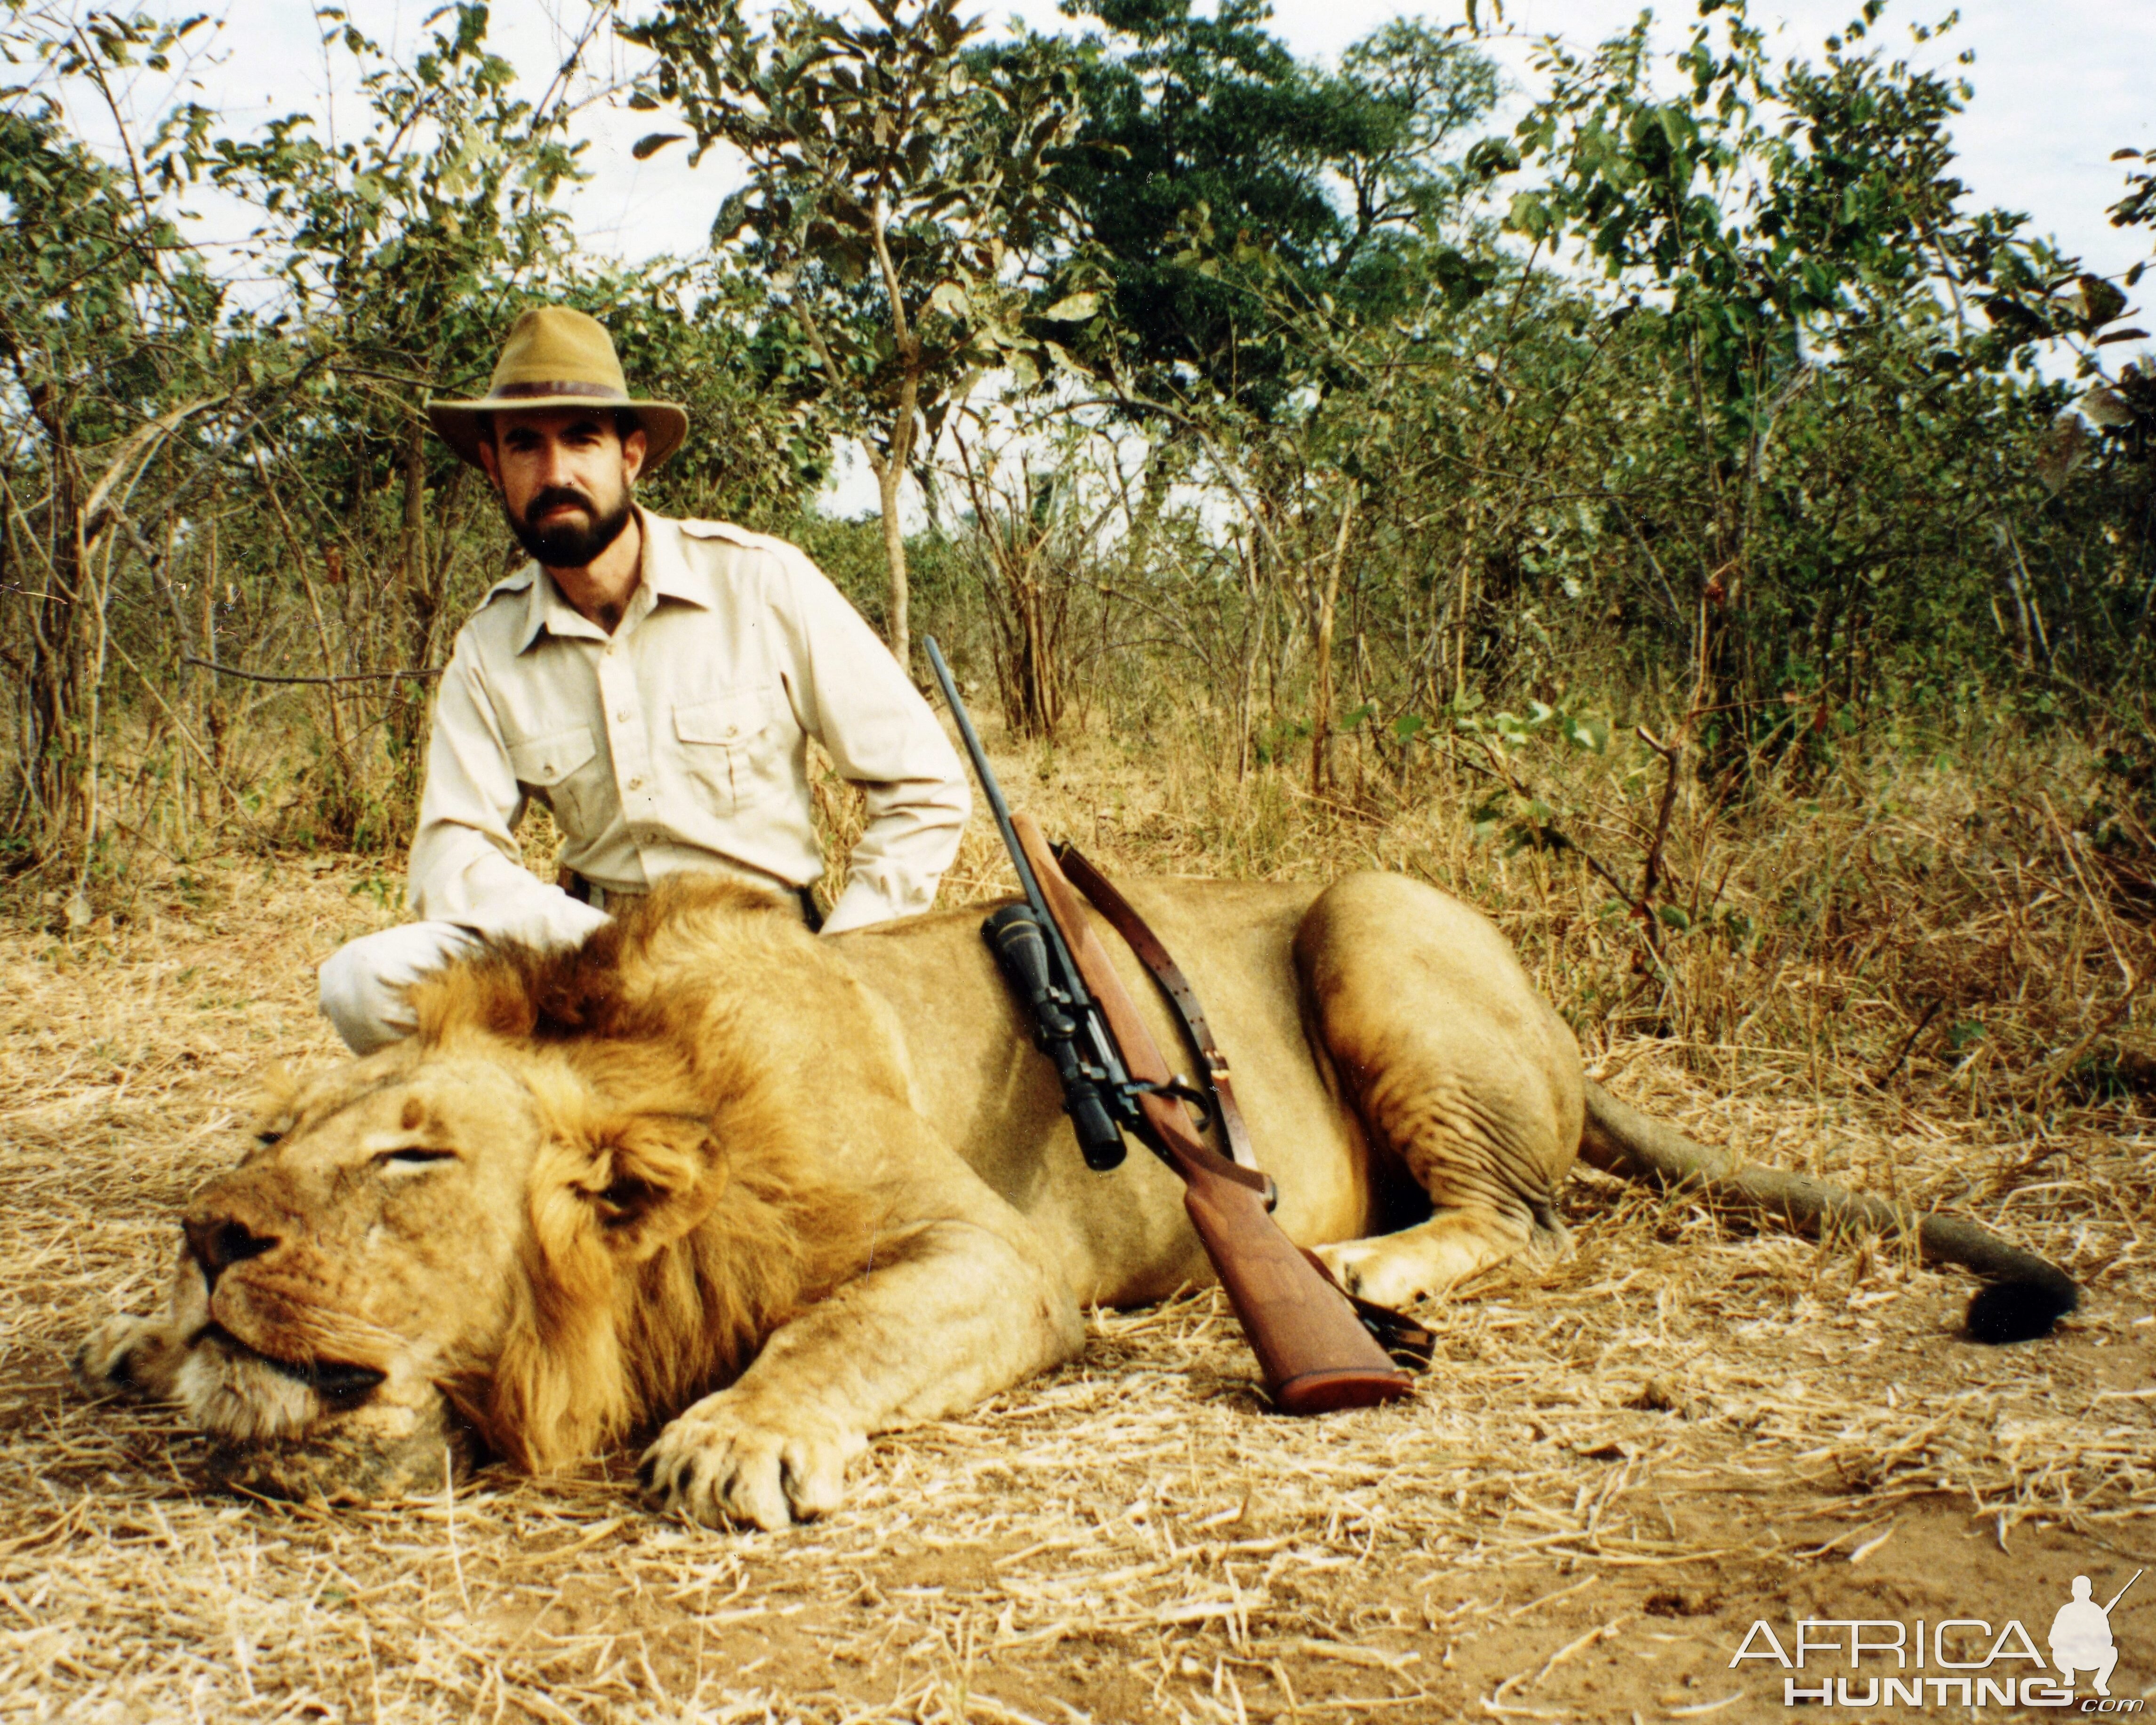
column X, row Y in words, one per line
column 271, row 1358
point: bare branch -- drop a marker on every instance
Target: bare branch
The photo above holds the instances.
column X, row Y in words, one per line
column 228, row 670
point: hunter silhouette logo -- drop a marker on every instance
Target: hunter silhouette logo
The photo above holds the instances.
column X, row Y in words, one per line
column 1957, row 1662
column 2080, row 1635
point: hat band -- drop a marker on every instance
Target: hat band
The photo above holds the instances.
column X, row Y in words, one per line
column 527, row 392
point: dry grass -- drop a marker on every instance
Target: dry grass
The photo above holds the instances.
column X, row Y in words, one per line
column 1617, row 1462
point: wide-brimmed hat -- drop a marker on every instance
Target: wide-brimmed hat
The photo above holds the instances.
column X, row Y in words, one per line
column 556, row 357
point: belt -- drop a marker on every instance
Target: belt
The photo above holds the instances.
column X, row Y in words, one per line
column 587, row 891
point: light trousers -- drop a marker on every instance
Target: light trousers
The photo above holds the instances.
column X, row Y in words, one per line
column 363, row 983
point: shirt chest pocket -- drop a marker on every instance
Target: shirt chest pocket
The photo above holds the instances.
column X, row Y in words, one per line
column 554, row 769
column 728, row 747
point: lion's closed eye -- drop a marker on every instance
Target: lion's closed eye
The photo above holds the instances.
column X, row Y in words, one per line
column 413, row 1156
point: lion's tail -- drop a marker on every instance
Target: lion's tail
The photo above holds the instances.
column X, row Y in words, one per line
column 2025, row 1297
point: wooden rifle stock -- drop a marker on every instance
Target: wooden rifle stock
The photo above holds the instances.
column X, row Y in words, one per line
column 1313, row 1349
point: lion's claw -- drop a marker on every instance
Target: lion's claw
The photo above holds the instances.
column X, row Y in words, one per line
column 718, row 1467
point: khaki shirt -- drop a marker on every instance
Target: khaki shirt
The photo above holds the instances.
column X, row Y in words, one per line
column 681, row 742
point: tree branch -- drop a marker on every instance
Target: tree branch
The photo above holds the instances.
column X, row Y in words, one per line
column 227, row 670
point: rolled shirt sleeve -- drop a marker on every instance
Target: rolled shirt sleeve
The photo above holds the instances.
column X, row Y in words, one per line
column 855, row 699
column 466, row 866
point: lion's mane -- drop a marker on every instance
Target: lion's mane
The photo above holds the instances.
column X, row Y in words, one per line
column 679, row 1211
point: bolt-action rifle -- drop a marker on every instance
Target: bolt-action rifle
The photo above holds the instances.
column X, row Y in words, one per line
column 1316, row 1348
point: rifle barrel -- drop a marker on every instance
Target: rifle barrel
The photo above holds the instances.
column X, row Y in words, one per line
column 2120, row 1593
column 985, row 772
column 1106, row 1057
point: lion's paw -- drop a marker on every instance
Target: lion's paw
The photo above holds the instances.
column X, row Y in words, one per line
column 1425, row 1261
column 719, row 1464
column 129, row 1356
column 1366, row 1269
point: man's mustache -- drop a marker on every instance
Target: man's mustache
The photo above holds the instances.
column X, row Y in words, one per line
column 555, row 495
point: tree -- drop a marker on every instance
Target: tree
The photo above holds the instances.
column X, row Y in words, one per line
column 1261, row 224
column 898, row 200
column 104, row 317
column 400, row 246
column 1783, row 219
column 1211, row 161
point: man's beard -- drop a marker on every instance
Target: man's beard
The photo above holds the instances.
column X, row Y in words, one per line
column 567, row 544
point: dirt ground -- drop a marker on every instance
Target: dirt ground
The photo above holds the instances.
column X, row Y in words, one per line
column 1620, row 1462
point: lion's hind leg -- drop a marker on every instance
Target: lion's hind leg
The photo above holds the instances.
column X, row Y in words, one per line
column 1455, row 1066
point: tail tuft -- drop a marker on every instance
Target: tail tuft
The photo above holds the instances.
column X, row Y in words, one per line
column 2020, row 1310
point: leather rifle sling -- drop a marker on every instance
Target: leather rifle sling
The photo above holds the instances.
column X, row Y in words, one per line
column 1141, row 1053
column 1397, row 1333
column 1219, row 1083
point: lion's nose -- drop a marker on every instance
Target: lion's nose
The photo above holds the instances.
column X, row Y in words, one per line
column 219, row 1243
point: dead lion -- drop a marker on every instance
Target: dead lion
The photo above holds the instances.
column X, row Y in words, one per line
column 779, row 1193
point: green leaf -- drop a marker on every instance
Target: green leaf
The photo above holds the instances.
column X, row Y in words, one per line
column 651, row 143
column 1590, row 734
column 2101, row 301
column 1493, row 157
column 1074, row 308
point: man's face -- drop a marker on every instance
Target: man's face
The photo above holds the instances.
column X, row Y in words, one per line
column 563, row 476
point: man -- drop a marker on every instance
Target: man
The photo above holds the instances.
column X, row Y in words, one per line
column 655, row 683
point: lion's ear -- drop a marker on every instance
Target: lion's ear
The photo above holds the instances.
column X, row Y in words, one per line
column 649, row 1178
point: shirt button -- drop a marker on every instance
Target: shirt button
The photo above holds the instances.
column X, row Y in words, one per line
column 622, row 717
column 636, row 784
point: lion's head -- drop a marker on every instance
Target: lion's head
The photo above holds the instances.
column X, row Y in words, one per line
column 561, row 1208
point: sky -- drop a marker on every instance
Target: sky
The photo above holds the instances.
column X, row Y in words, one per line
column 2059, row 85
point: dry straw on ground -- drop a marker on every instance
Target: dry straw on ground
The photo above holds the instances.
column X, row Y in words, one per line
column 1619, row 1461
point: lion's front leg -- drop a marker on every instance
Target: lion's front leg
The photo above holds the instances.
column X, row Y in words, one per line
column 957, row 1311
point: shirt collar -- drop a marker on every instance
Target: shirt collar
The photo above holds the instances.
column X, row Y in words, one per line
column 667, row 569
column 664, row 571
